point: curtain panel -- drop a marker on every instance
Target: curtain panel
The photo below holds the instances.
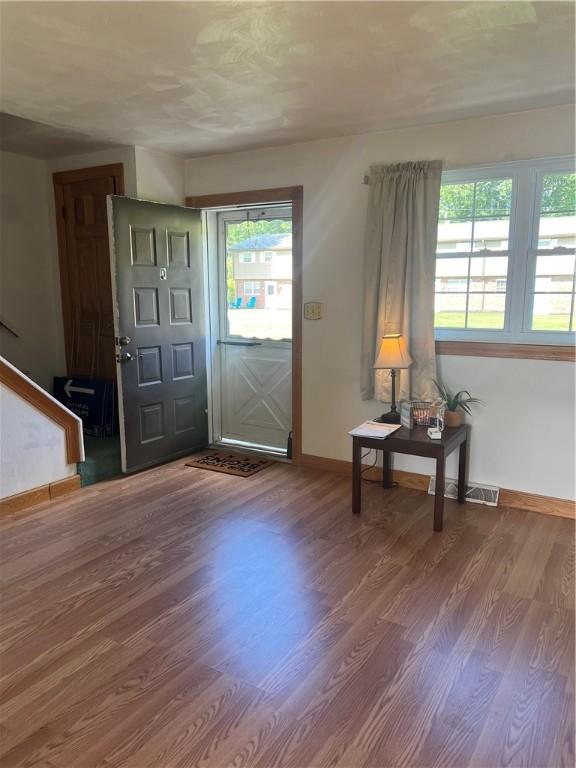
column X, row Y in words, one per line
column 399, row 269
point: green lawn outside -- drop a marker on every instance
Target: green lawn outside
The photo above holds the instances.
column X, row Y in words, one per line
column 496, row 320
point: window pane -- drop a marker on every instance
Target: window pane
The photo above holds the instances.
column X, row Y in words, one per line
column 450, row 310
column 259, row 278
column 456, row 202
column 455, row 218
column 555, row 265
column 451, row 284
column 488, row 284
column 486, row 310
column 451, row 268
column 554, row 284
column 454, row 236
column 557, row 212
column 493, row 266
column 551, row 312
column 492, row 215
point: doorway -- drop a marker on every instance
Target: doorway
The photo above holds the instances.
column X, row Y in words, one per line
column 86, row 293
column 271, row 201
column 252, row 367
column 84, row 254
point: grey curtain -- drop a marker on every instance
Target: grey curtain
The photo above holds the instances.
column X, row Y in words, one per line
column 399, row 267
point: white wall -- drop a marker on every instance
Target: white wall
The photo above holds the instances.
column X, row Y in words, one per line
column 517, row 392
column 30, row 277
column 29, row 282
column 159, row 177
column 32, row 448
column 124, row 155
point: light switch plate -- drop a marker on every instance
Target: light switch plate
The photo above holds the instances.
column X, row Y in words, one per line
column 313, row 310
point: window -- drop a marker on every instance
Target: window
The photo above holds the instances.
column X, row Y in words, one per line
column 505, row 256
column 267, row 257
column 251, row 288
column 271, row 289
column 247, row 258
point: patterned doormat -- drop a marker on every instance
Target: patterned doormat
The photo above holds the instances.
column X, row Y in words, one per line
column 237, row 464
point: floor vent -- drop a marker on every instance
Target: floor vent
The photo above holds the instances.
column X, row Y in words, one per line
column 479, row 494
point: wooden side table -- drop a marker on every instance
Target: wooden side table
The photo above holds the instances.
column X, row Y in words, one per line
column 414, row 442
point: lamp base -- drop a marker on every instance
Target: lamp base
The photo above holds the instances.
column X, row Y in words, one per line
column 392, row 417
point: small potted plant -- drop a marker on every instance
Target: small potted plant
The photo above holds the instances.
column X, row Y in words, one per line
column 456, row 404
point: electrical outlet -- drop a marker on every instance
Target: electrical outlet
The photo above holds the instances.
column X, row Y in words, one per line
column 313, row 310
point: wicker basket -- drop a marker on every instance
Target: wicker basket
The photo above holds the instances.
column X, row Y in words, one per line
column 421, row 412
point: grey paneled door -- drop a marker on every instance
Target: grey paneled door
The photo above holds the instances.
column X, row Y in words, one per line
column 160, row 329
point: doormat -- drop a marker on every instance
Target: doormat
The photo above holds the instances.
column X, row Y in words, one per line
column 237, row 464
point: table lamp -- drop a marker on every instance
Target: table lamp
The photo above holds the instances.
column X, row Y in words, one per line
column 393, row 354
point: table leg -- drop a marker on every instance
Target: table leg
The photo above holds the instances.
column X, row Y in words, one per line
column 356, row 476
column 386, row 470
column 462, row 460
column 439, row 494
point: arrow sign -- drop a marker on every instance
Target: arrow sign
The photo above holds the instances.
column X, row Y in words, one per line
column 68, row 389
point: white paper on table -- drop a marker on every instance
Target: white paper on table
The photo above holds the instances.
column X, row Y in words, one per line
column 374, row 429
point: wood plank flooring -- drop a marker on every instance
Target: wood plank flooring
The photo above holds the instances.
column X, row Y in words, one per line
column 187, row 618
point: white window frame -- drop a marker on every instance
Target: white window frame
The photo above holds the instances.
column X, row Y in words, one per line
column 250, row 260
column 267, row 257
column 522, row 251
column 251, row 283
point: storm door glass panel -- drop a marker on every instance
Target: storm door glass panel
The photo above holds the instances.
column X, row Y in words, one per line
column 258, row 267
column 554, row 274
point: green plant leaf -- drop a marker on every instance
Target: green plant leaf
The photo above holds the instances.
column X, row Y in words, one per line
column 462, row 399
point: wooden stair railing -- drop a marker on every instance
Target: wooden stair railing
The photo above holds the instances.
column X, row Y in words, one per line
column 12, row 378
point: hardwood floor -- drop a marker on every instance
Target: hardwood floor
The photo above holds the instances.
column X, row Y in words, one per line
column 187, row 618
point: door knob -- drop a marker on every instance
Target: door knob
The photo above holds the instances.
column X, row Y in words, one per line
column 124, row 357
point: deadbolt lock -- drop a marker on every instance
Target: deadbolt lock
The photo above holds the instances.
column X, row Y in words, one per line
column 124, row 357
column 122, row 341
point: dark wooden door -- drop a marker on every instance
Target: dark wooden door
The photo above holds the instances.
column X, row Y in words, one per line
column 160, row 325
column 85, row 269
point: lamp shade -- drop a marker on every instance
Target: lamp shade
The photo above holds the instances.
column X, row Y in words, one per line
column 393, row 353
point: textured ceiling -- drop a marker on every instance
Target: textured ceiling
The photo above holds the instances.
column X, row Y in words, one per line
column 27, row 137
column 206, row 77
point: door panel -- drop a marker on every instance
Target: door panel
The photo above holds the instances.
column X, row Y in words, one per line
column 157, row 259
column 257, row 396
column 87, row 289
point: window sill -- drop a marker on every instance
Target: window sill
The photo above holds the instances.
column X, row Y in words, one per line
column 502, row 349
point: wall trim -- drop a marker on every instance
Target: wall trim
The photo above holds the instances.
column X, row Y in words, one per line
column 530, row 502
column 295, row 195
column 249, row 197
column 42, row 402
column 565, row 352
column 21, row 501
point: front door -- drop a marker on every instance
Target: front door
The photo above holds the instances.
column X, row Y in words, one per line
column 255, row 328
column 160, row 331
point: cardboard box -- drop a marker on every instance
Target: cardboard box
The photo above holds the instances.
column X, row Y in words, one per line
column 93, row 400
